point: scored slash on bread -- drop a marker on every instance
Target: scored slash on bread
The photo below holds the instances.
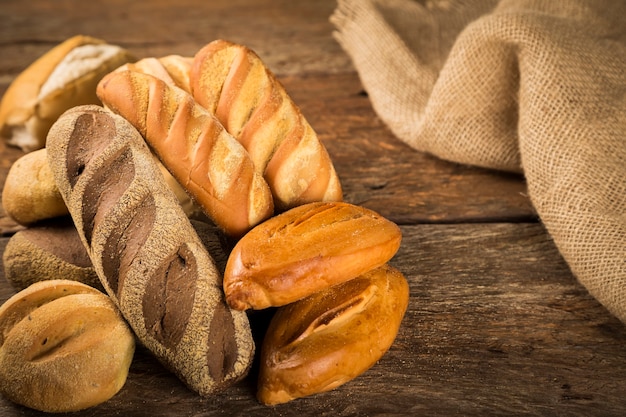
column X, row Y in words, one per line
column 147, row 255
column 231, row 81
column 206, row 160
column 233, row 84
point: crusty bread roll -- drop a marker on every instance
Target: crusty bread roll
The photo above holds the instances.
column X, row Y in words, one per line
column 63, row 347
column 47, row 251
column 30, row 193
column 304, row 250
column 325, row 340
column 145, row 251
column 232, row 82
column 208, row 162
column 64, row 77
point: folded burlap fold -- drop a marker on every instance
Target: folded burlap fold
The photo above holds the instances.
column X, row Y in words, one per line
column 537, row 87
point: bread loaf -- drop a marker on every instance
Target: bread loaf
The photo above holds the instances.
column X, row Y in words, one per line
column 232, row 82
column 173, row 69
column 208, row 162
column 145, row 251
column 304, row 250
column 325, row 340
column 53, row 250
column 63, row 347
column 47, row 251
column 30, row 193
column 64, row 77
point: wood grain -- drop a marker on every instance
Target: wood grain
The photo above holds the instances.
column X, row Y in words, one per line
column 497, row 324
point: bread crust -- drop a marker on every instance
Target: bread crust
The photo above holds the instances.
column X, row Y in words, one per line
column 63, row 347
column 25, row 117
column 304, row 250
column 30, row 194
column 231, row 81
column 325, row 340
column 207, row 161
column 145, row 251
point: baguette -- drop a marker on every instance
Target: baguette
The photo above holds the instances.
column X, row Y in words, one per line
column 64, row 347
column 173, row 69
column 145, row 251
column 325, row 340
column 305, row 250
column 64, row 77
column 232, row 82
column 208, row 162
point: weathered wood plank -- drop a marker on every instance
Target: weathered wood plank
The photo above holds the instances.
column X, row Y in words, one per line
column 496, row 325
column 292, row 37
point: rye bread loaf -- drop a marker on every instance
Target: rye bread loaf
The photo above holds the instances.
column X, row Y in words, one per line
column 145, row 251
column 47, row 251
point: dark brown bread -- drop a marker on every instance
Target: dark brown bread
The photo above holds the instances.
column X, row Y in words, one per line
column 46, row 251
column 145, row 251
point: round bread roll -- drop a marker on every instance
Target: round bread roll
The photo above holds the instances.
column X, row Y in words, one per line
column 305, row 250
column 63, row 347
column 30, row 193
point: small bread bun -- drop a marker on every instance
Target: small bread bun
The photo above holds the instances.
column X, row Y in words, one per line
column 47, row 251
column 30, row 193
column 323, row 341
column 63, row 347
column 64, row 77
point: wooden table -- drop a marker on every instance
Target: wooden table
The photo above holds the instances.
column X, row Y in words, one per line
column 497, row 324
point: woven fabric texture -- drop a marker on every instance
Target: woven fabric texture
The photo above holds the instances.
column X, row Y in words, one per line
column 530, row 86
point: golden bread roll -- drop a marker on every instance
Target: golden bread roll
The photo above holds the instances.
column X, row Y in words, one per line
column 64, row 77
column 304, row 250
column 233, row 83
column 47, row 251
column 63, row 347
column 207, row 161
column 145, row 251
column 30, row 193
column 325, row 340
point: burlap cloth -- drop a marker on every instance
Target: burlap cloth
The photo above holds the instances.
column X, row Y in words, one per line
column 537, row 87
